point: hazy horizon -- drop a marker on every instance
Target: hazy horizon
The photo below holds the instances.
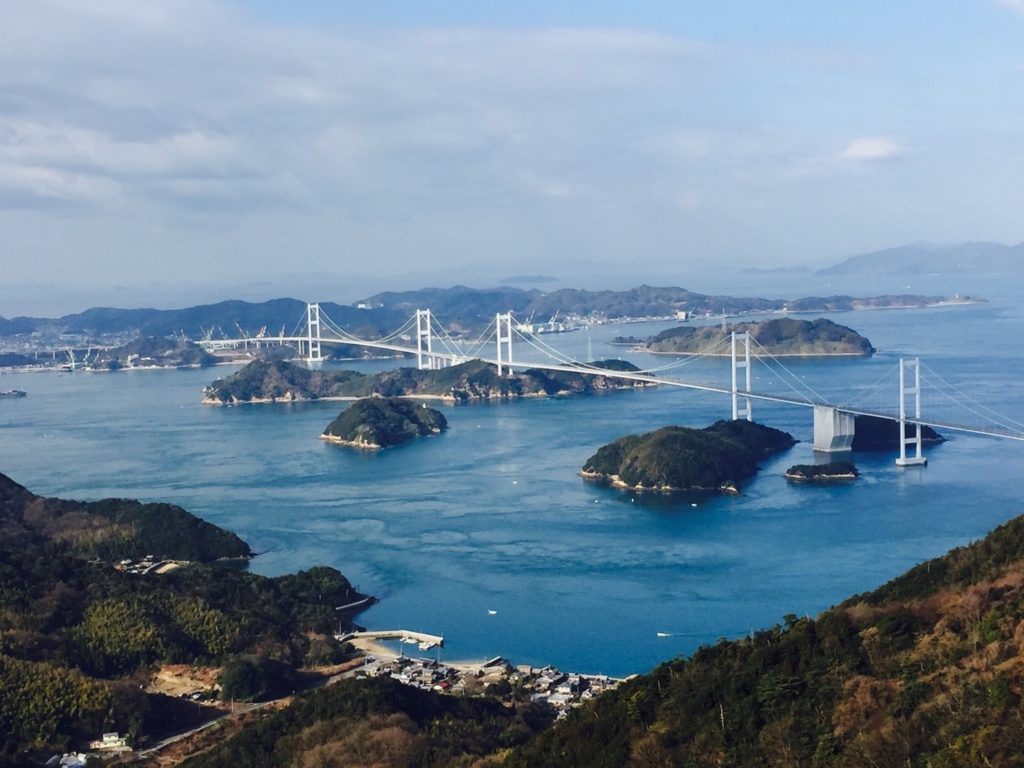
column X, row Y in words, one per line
column 173, row 152
column 42, row 302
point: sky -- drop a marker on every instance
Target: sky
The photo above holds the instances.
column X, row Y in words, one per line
column 167, row 152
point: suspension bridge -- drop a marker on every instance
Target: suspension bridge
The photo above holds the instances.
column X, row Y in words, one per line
column 428, row 341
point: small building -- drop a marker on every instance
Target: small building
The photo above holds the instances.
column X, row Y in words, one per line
column 111, row 742
column 67, row 760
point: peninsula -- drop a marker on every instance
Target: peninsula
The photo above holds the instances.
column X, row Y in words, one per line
column 475, row 380
column 923, row 671
column 716, row 458
column 153, row 352
column 782, row 337
column 379, row 422
column 106, row 603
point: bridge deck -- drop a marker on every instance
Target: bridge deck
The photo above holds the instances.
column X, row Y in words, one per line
column 638, row 377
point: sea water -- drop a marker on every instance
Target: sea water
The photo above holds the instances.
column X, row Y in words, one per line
column 487, row 535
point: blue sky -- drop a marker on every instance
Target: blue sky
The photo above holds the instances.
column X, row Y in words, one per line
column 150, row 151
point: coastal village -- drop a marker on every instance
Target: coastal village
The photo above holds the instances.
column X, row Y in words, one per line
column 497, row 677
column 546, row 685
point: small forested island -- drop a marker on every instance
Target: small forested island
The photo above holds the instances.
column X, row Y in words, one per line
column 716, row 458
column 872, row 433
column 102, row 602
column 153, row 352
column 833, row 471
column 379, row 422
column 276, row 381
column 782, row 337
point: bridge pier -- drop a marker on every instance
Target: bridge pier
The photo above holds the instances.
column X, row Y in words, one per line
column 833, row 429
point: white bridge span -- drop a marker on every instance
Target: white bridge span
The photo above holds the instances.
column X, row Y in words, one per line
column 833, row 424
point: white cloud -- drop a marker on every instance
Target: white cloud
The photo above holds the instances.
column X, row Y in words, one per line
column 24, row 185
column 190, row 90
column 192, row 153
column 1014, row 5
column 872, row 148
column 211, row 134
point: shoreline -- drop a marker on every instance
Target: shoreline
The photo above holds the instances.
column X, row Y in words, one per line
column 447, row 399
column 619, row 484
column 820, row 478
column 379, row 651
column 328, row 399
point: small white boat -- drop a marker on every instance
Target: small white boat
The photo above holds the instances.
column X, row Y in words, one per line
column 664, row 634
column 492, row 613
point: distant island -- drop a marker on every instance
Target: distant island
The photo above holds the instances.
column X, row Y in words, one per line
column 475, row 380
column 872, row 433
column 153, row 352
column 833, row 471
column 782, row 337
column 473, row 308
column 379, row 422
column 716, row 458
column 973, row 259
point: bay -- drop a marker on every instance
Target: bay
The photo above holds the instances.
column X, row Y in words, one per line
column 491, row 516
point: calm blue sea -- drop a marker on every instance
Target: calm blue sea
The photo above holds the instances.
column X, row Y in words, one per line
column 491, row 516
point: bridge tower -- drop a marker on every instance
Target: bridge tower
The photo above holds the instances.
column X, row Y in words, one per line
column 918, row 459
column 503, row 333
column 313, row 354
column 424, row 341
column 739, row 411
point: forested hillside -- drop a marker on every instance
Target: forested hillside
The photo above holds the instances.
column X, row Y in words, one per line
column 926, row 671
column 78, row 633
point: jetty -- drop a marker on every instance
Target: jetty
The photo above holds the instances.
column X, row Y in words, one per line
column 405, row 635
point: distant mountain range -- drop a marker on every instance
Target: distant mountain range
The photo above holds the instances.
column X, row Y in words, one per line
column 223, row 319
column 975, row 259
column 468, row 308
column 459, row 308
